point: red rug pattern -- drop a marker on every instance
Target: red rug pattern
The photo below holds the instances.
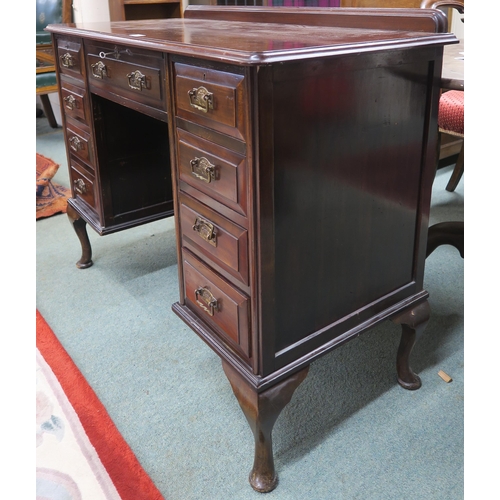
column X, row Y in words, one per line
column 129, row 478
column 51, row 198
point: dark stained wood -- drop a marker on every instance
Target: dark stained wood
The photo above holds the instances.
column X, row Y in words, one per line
column 230, row 312
column 413, row 322
column 368, row 18
column 261, row 411
column 229, row 246
column 306, row 222
column 446, row 233
column 79, row 225
column 129, row 10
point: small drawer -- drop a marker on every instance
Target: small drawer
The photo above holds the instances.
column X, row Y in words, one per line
column 212, row 98
column 74, row 102
column 209, row 235
column 214, row 170
column 82, row 184
column 216, row 302
column 69, row 56
column 128, row 72
column 79, row 143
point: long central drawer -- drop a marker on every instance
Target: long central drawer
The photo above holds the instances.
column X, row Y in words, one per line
column 135, row 74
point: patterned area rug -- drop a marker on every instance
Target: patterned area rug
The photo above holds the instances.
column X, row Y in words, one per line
column 51, row 198
column 81, row 455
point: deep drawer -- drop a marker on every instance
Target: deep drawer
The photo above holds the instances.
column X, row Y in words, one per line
column 136, row 75
column 216, row 302
column 69, row 56
column 82, row 184
column 214, row 170
column 212, row 98
column 74, row 102
column 80, row 143
column 209, row 235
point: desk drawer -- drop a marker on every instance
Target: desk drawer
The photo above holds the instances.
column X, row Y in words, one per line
column 74, row 102
column 69, row 56
column 80, row 143
column 213, row 237
column 127, row 72
column 216, row 302
column 212, row 98
column 214, row 170
column 82, row 184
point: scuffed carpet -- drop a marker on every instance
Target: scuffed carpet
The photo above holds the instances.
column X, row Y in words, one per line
column 51, row 198
column 81, row 455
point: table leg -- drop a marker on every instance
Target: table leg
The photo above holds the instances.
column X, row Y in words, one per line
column 413, row 323
column 261, row 411
column 80, row 227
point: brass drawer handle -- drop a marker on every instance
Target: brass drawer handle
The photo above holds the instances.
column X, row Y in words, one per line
column 75, row 143
column 202, row 169
column 67, row 60
column 206, row 300
column 99, row 70
column 201, row 99
column 136, row 80
column 206, row 230
column 70, row 102
column 80, row 186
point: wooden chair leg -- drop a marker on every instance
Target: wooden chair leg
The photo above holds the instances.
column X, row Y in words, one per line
column 47, row 109
column 457, row 172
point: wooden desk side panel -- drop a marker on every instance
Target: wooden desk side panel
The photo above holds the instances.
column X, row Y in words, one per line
column 347, row 169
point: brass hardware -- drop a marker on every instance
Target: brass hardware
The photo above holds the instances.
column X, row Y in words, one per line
column 206, row 230
column 75, row 143
column 202, row 169
column 99, row 70
column 70, row 102
column 136, row 80
column 67, row 60
column 201, row 99
column 209, row 303
column 80, row 186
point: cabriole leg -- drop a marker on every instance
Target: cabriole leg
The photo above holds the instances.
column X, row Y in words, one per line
column 80, row 227
column 413, row 323
column 262, row 411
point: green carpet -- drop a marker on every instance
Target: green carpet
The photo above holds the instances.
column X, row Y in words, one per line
column 350, row 432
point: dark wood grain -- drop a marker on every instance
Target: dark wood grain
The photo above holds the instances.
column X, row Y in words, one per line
column 306, row 223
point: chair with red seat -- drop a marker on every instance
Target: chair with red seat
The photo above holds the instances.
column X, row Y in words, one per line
column 451, row 121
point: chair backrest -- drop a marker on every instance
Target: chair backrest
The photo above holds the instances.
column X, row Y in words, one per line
column 51, row 12
column 437, row 4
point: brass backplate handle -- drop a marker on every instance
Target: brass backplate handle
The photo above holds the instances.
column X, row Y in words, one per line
column 206, row 230
column 99, row 70
column 206, row 300
column 75, row 143
column 202, row 169
column 136, row 80
column 70, row 102
column 80, row 186
column 201, row 99
column 67, row 60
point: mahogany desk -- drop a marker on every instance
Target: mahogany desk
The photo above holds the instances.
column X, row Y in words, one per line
column 296, row 149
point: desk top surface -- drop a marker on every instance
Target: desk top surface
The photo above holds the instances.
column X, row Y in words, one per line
column 252, row 42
